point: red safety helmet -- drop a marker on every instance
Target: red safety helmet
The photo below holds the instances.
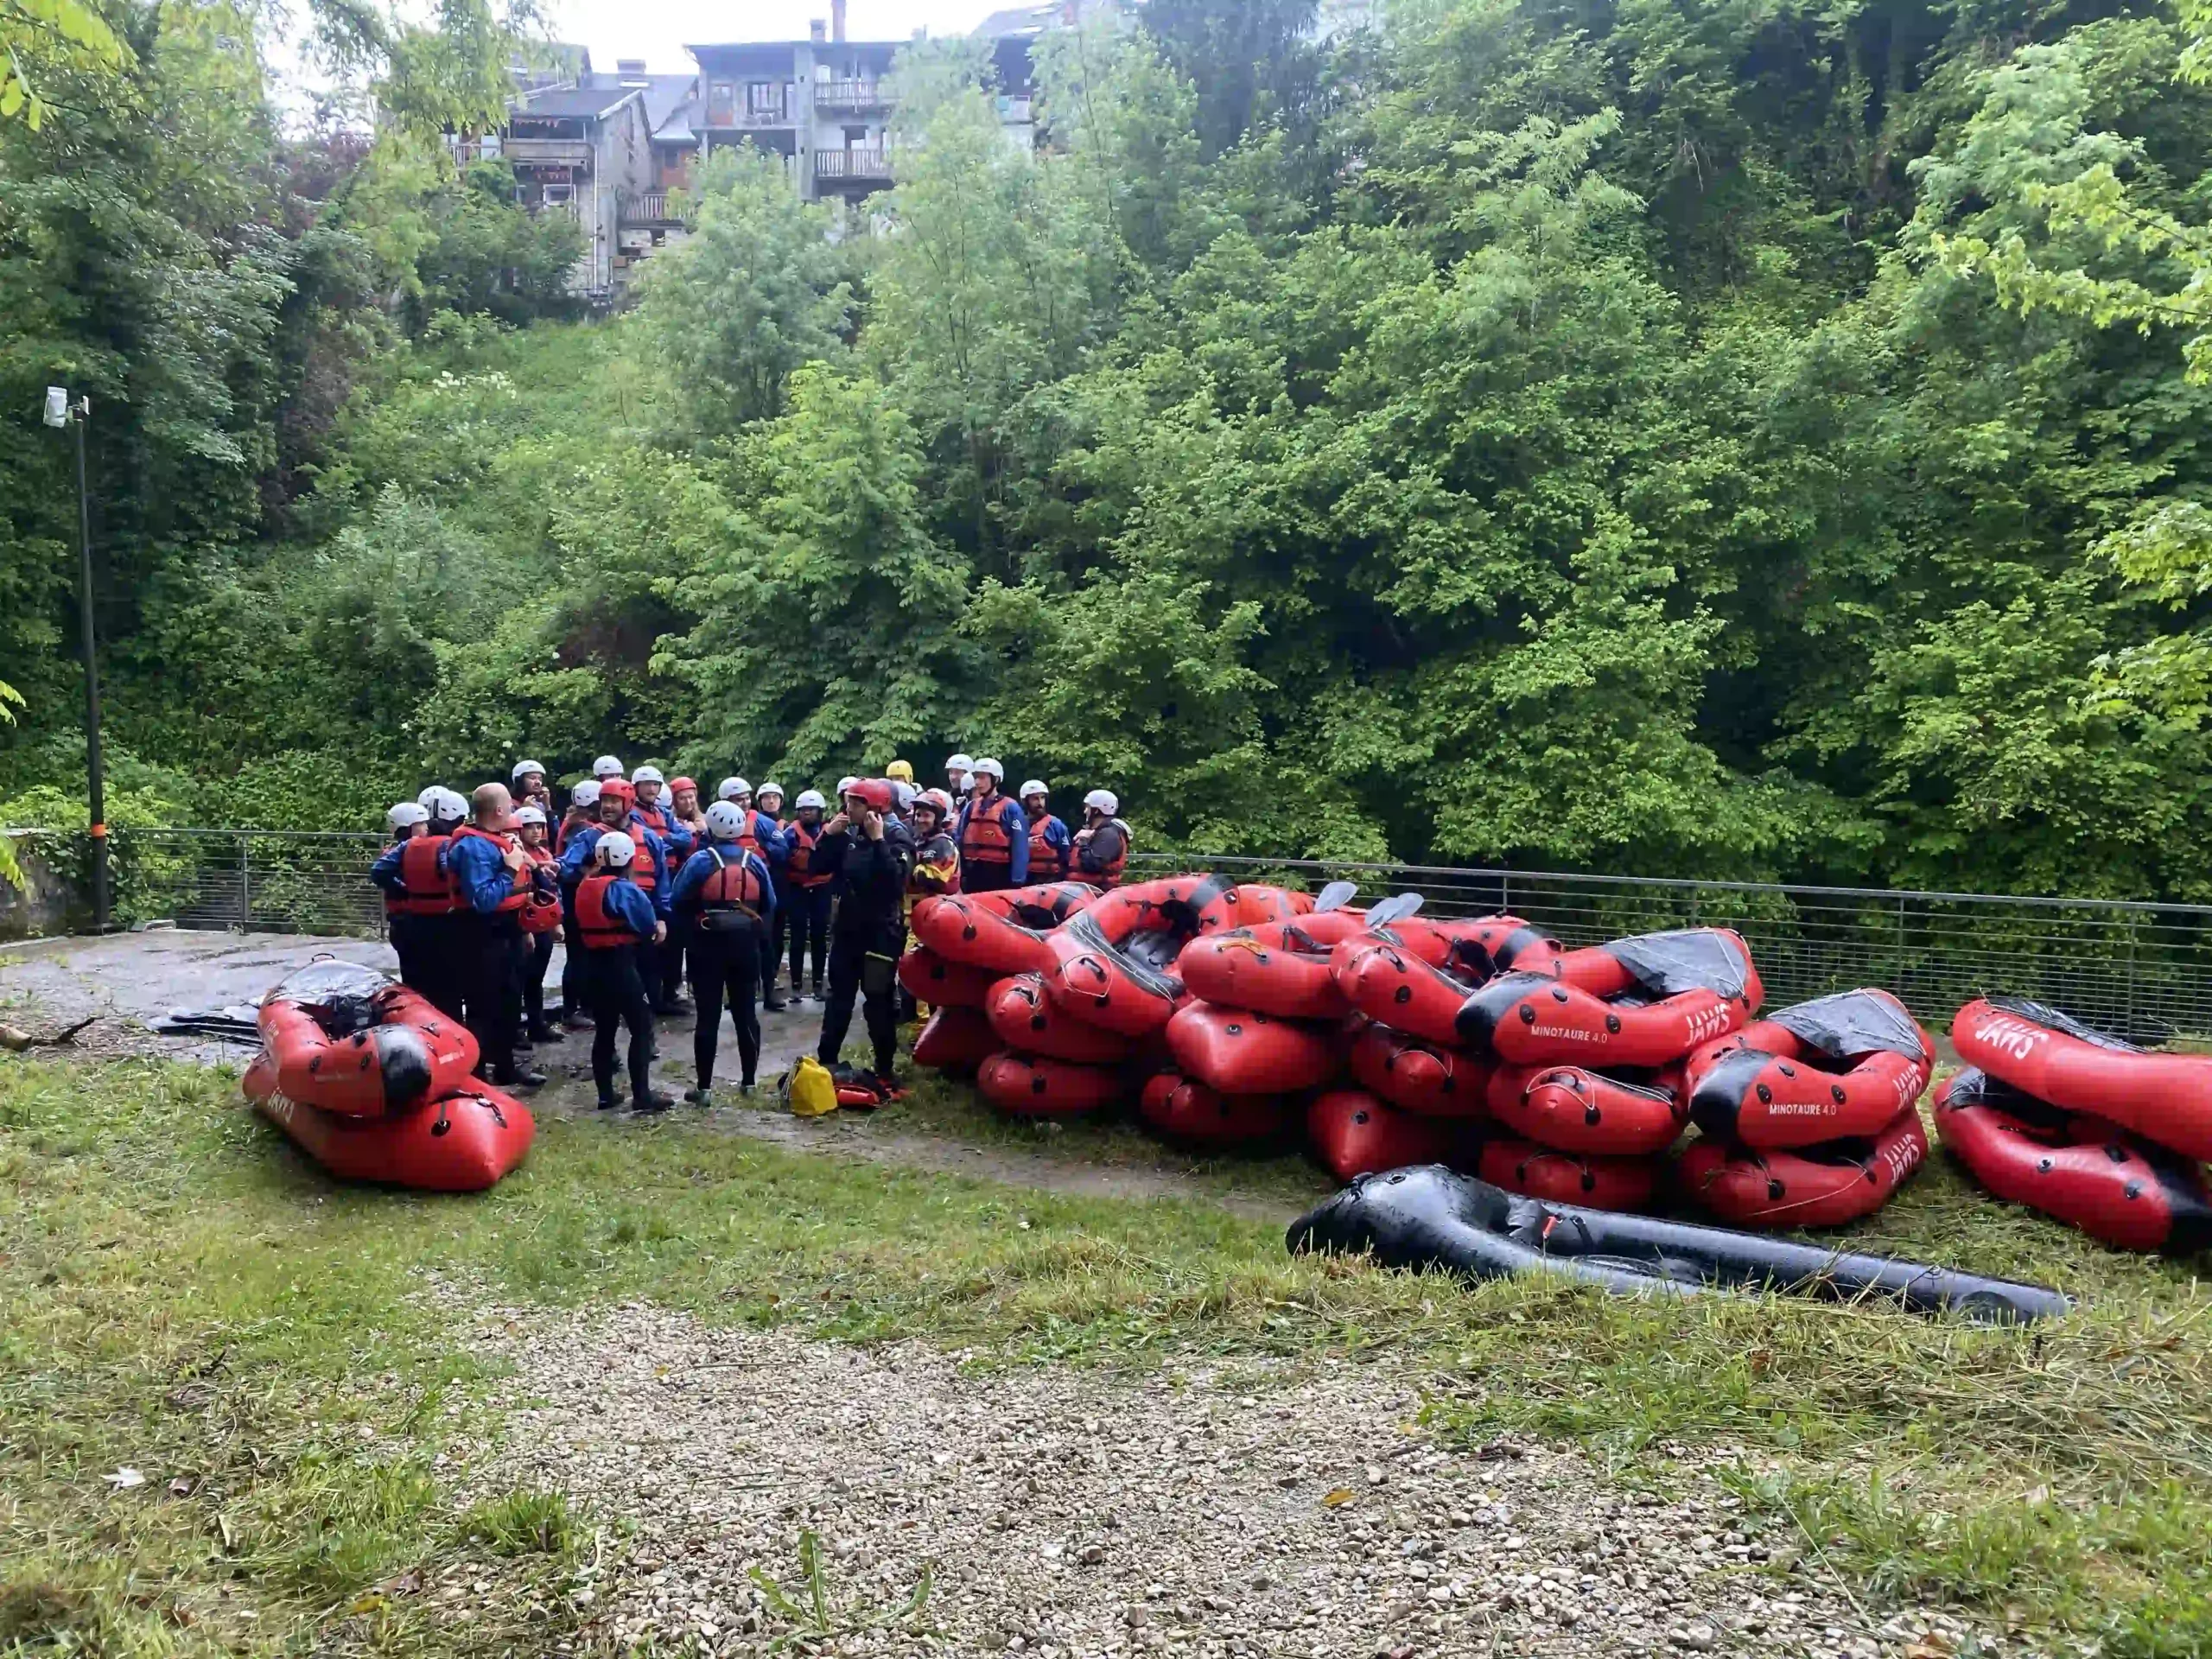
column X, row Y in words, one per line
column 619, row 789
column 876, row 791
column 675, row 784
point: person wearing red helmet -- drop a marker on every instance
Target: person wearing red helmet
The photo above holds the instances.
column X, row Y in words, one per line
column 868, row 854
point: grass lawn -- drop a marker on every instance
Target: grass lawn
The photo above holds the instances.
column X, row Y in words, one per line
column 182, row 1296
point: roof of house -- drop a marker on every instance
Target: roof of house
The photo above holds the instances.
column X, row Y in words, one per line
column 600, row 93
column 1021, row 19
column 681, row 126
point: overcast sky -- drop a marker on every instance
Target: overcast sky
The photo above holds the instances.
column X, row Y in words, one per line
column 658, row 30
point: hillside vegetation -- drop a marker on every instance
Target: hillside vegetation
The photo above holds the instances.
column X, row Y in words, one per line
column 1752, row 438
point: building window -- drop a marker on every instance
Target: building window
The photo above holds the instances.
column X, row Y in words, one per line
column 764, row 97
column 721, row 103
column 856, row 137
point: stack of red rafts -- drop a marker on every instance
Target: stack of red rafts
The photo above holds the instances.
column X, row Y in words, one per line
column 1231, row 1011
column 375, row 1084
column 2082, row 1125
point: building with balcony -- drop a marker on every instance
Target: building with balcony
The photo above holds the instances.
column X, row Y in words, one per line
column 822, row 104
column 607, row 148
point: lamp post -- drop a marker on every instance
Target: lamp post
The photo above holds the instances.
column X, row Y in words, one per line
column 62, row 410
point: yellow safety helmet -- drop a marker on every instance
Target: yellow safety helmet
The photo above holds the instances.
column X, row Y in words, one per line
column 899, row 771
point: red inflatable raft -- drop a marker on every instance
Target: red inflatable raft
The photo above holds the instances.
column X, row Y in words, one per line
column 955, row 1039
column 344, row 1039
column 1835, row 1067
column 1187, row 1110
column 2166, row 1098
column 1003, row 931
column 1250, row 903
column 1025, row 1019
column 1818, row 1186
column 1576, row 1111
column 930, row 978
column 1031, row 1085
column 1642, row 1001
column 2085, row 1170
column 1387, row 982
column 1568, row 1177
column 1111, row 963
column 463, row 1143
column 1420, row 1077
column 1354, row 1133
column 1280, row 969
column 1240, row 1052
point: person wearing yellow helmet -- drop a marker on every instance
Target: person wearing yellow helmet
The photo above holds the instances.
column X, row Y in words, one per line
column 899, row 771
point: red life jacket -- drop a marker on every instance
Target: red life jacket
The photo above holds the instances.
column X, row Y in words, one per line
column 561, row 831
column 654, row 818
column 426, row 890
column 799, row 866
column 1046, row 862
column 541, row 915
column 749, row 838
column 983, row 839
column 518, row 882
column 735, row 884
column 600, row 928
column 641, row 868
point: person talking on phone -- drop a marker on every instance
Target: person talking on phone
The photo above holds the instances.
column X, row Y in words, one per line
column 868, row 854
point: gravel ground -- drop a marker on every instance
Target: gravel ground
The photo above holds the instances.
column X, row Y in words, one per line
column 1072, row 1513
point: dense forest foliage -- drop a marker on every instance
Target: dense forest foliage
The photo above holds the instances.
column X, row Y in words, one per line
column 1754, row 439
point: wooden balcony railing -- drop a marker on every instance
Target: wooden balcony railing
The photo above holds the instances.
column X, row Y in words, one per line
column 852, row 164
column 647, row 208
column 851, row 95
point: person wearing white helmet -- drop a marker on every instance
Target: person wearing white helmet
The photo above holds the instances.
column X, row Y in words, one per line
column 406, row 819
column 493, row 874
column 648, row 872
column 527, row 782
column 726, row 895
column 582, row 816
column 1102, row 845
column 405, row 822
column 544, row 913
column 1051, row 849
column 773, row 841
column 649, row 817
column 607, row 766
column 959, row 772
column 735, row 789
column 993, row 834
column 421, row 902
column 804, row 900
column 616, row 923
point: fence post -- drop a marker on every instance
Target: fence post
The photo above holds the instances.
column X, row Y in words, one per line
column 2133, row 920
column 1505, row 892
column 245, row 882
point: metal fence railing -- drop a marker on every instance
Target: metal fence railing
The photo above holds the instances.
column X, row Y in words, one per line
column 2140, row 968
column 259, row 880
column 2144, row 969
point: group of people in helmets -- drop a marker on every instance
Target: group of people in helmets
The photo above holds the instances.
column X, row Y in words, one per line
column 649, row 889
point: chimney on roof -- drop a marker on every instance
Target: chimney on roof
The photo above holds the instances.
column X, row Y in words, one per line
column 629, row 66
column 837, row 20
column 819, row 32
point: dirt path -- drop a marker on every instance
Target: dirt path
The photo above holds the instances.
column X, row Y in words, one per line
column 1254, row 1511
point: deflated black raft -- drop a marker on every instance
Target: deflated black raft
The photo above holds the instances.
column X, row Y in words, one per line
column 1428, row 1215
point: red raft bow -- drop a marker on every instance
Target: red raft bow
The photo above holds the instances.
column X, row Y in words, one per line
column 2166, row 1098
column 1002, row 932
column 1819, row 1186
column 1112, row 964
column 344, row 1039
column 1834, row 1067
column 1642, row 1001
column 2086, row 1170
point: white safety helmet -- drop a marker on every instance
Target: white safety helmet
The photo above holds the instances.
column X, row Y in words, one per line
column 615, row 850
column 1033, row 786
column 647, row 775
column 443, row 804
column 1104, row 800
column 959, row 763
column 523, row 768
column 726, row 820
column 406, row 813
column 811, row 797
column 730, row 788
column 903, row 795
column 585, row 793
column 607, row 766
column 767, row 790
column 529, row 815
column 844, row 784
column 986, row 764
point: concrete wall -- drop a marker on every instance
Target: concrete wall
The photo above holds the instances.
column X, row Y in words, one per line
column 53, row 899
